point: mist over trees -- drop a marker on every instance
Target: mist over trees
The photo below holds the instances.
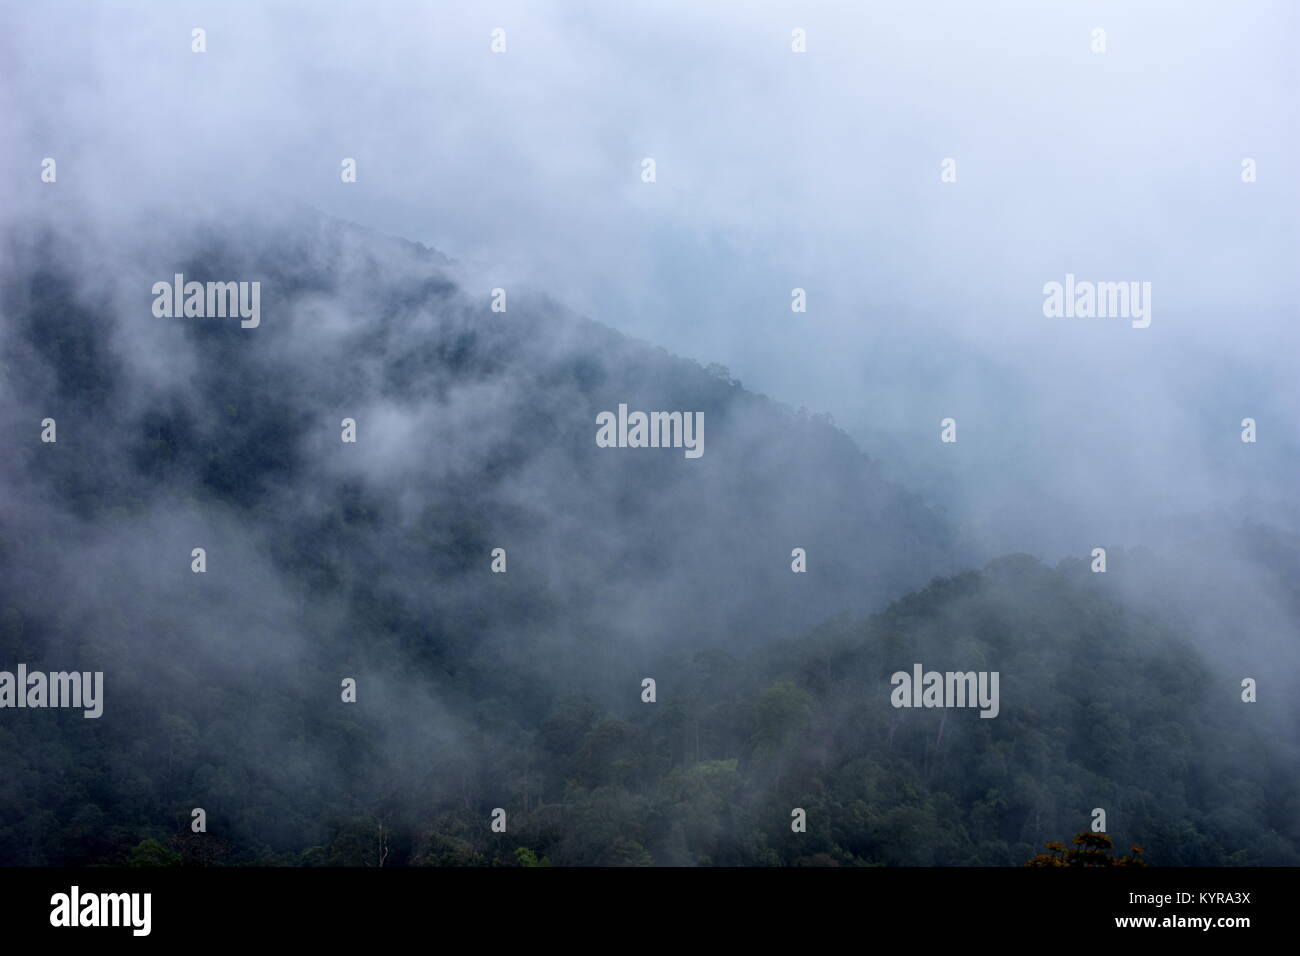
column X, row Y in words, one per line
column 522, row 690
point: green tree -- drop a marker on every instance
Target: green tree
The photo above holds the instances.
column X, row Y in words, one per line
column 152, row 853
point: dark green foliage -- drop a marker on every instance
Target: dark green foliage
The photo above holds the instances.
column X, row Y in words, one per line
column 1098, row 708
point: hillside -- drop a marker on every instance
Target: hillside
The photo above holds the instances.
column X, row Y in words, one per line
column 324, row 559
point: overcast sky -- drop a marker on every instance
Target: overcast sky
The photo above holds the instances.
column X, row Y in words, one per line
column 776, row 170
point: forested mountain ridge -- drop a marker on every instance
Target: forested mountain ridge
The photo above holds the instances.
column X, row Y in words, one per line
column 475, row 430
column 521, row 690
column 1099, row 707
